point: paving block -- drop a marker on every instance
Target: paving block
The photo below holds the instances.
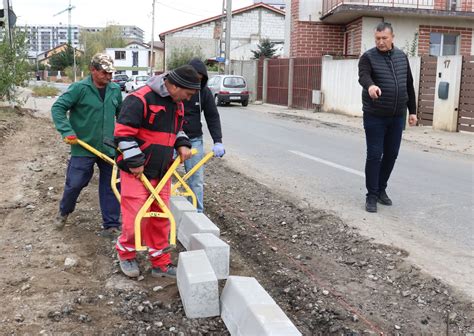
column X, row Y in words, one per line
column 248, row 310
column 193, row 222
column 197, row 285
column 217, row 251
column 266, row 319
column 178, row 206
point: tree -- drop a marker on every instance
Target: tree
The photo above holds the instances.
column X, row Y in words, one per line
column 95, row 42
column 182, row 56
column 14, row 65
column 64, row 59
column 265, row 48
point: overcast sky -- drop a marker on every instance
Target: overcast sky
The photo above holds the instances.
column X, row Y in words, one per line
column 168, row 14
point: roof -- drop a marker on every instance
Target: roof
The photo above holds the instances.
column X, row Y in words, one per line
column 218, row 17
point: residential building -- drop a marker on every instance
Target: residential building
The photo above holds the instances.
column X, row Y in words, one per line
column 131, row 33
column 345, row 27
column 42, row 38
column 44, row 57
column 249, row 26
column 279, row 4
column 134, row 59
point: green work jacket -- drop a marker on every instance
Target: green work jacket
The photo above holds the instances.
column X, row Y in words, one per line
column 90, row 118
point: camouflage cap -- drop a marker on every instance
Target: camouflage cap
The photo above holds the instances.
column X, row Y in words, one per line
column 103, row 61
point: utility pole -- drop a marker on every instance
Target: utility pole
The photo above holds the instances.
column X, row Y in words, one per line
column 152, row 44
column 6, row 16
column 227, row 36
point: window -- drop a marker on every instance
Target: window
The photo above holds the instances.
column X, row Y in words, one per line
column 120, row 55
column 234, row 82
column 135, row 58
column 134, row 72
column 444, row 44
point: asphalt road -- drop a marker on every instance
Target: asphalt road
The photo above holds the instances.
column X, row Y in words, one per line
column 322, row 165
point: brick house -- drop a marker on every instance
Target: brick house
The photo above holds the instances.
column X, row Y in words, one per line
column 250, row 25
column 345, row 27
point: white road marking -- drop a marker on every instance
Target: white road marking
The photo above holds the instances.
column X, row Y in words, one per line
column 329, row 163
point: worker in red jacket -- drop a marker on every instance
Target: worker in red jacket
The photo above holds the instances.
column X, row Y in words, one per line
column 148, row 130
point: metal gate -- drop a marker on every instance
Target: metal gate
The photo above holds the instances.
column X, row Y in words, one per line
column 278, row 70
column 466, row 96
column 307, row 77
column 426, row 95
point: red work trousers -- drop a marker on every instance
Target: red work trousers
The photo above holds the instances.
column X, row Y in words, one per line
column 155, row 230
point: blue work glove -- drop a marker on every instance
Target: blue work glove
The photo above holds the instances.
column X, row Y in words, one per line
column 218, row 149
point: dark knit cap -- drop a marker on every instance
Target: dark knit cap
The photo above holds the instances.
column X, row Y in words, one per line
column 185, row 76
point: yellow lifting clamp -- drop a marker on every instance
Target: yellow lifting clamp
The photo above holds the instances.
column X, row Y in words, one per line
column 182, row 180
column 165, row 212
column 154, row 194
column 115, row 179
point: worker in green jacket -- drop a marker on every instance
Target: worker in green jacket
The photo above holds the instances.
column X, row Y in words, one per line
column 93, row 105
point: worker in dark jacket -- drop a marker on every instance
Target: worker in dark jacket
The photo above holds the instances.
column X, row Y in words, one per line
column 202, row 101
column 385, row 75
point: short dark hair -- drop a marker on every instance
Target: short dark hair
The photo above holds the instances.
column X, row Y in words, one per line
column 384, row 25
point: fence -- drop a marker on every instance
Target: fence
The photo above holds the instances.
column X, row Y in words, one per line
column 290, row 82
column 466, row 96
column 248, row 69
column 426, row 95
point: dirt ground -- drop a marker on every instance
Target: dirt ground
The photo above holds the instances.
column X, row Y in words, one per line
column 327, row 278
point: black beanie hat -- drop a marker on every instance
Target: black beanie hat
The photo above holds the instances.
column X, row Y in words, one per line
column 186, row 77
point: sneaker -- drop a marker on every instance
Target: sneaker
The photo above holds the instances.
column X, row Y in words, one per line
column 167, row 271
column 371, row 203
column 130, row 268
column 384, row 199
column 111, row 232
column 60, row 221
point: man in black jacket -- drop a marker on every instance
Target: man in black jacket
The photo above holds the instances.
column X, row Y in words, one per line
column 201, row 101
column 385, row 75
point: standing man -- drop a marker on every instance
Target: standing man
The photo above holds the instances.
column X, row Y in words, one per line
column 149, row 129
column 93, row 104
column 201, row 101
column 385, row 75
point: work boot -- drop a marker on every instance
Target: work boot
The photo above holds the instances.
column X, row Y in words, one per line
column 371, row 203
column 384, row 199
column 166, row 271
column 130, row 268
column 60, row 221
column 110, row 232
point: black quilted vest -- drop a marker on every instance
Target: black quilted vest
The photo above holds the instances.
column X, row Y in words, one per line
column 389, row 73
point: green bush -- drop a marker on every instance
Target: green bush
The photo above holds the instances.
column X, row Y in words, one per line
column 45, row 91
column 14, row 66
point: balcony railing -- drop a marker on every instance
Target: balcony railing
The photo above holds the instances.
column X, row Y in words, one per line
column 329, row 5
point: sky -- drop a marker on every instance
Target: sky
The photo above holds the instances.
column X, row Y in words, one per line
column 168, row 14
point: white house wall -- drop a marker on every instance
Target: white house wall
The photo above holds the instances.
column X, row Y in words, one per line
column 405, row 28
column 143, row 65
column 247, row 30
column 310, row 10
column 341, row 89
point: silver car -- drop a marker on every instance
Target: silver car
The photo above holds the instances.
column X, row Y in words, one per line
column 229, row 88
column 135, row 82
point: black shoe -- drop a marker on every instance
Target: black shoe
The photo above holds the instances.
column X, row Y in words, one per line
column 384, row 199
column 371, row 203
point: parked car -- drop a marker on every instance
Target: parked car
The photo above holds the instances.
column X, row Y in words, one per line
column 135, row 82
column 229, row 88
column 120, row 79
